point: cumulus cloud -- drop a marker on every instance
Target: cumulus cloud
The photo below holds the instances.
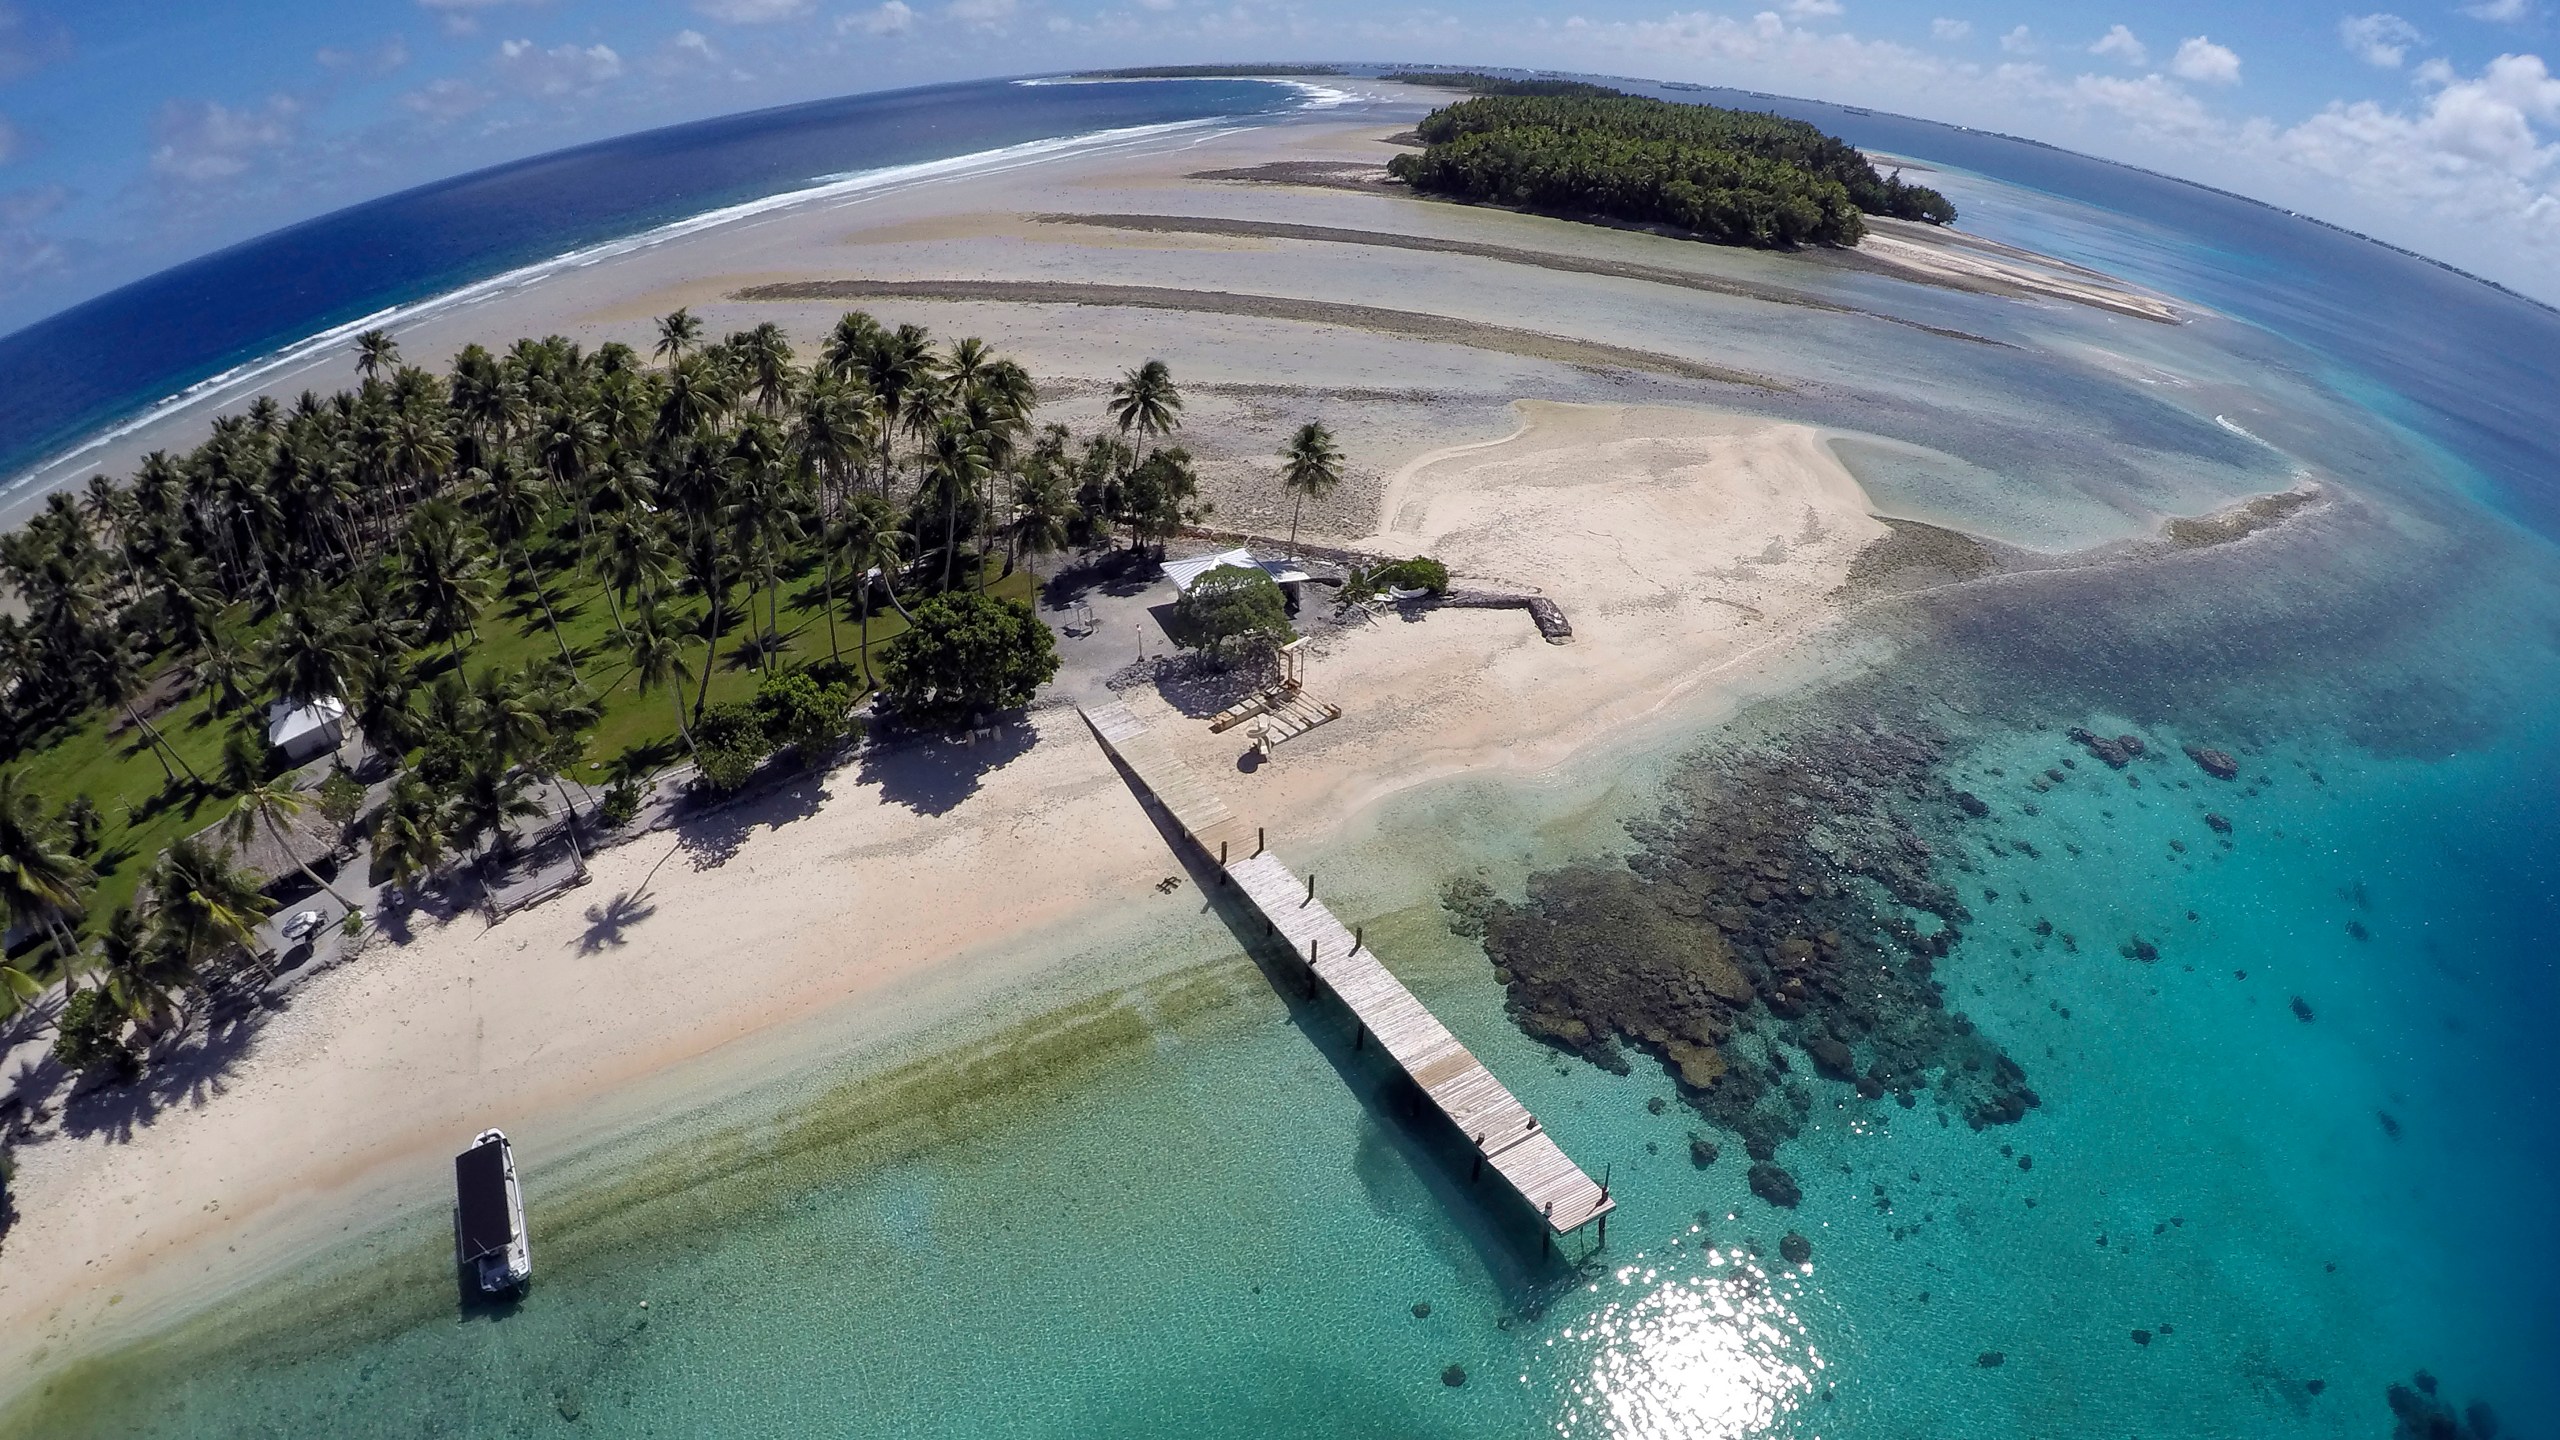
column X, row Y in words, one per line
column 446, row 98
column 988, row 13
column 2379, row 39
column 2499, row 12
column 752, row 12
column 1943, row 28
column 28, row 41
column 462, row 17
column 1814, row 9
column 390, row 55
column 2020, row 41
column 560, row 70
column 2119, row 44
column 204, row 142
column 895, row 17
column 2200, row 59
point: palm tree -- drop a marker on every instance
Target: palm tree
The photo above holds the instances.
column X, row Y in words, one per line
column 308, row 653
column 953, row 467
column 631, row 552
column 441, row 561
column 374, row 350
column 490, row 798
column 136, row 968
column 678, row 332
column 1146, row 400
column 869, row 538
column 114, row 664
column 409, row 837
column 1311, row 467
column 41, row 882
column 511, row 501
column 764, row 353
column 225, row 667
column 1044, row 512
column 657, row 658
column 201, row 904
column 270, row 802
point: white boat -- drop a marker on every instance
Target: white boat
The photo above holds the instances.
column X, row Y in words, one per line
column 488, row 1216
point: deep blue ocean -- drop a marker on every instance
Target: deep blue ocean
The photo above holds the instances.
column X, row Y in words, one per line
column 2304, row 1151
column 110, row 357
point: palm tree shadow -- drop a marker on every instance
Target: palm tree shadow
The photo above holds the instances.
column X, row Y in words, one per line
column 933, row 774
column 187, row 1071
column 608, row 924
column 711, row 830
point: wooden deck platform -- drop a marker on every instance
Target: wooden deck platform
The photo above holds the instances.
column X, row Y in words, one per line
column 1505, row 1136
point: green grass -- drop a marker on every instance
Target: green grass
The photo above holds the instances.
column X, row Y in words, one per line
column 143, row 814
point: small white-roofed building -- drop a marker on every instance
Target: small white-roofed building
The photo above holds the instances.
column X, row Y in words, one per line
column 303, row 732
column 1184, row 572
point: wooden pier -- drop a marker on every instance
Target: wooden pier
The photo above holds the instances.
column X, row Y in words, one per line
column 1505, row 1137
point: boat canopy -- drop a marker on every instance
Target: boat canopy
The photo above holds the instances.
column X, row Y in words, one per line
column 480, row 1190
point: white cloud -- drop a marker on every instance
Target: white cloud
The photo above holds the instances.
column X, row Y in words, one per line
column 203, row 142
column 2119, row 44
column 560, row 70
column 895, row 17
column 987, row 13
column 462, row 17
column 1814, row 9
column 2151, row 104
column 390, row 55
column 1943, row 28
column 2379, row 39
column 2499, row 12
column 752, row 12
column 2200, row 59
column 446, row 98
column 694, row 43
column 2019, row 42
column 1159, row 6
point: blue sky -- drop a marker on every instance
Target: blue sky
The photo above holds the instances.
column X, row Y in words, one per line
column 137, row 133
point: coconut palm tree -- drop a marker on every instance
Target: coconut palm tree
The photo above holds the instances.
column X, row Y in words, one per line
column 763, row 521
column 269, row 802
column 657, row 658
column 1147, row 401
column 1044, row 514
column 442, row 564
column 409, row 836
column 870, row 538
column 954, row 465
column 490, row 798
column 1311, row 466
column 309, row 653
column 631, row 552
column 375, row 349
column 201, row 904
column 764, row 359
column 678, row 331
column 41, row 881
column 114, row 667
column 511, row 500
column 137, row 969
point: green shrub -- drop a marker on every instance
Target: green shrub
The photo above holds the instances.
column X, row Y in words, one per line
column 90, row 1037
column 729, row 743
column 966, row 654
column 798, row 710
column 1229, row 609
column 1419, row 573
column 621, row 804
column 341, row 798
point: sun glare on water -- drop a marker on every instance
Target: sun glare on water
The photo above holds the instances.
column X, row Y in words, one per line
column 1707, row 1355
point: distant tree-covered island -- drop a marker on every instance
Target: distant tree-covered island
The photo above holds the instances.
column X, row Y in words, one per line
column 1734, row 176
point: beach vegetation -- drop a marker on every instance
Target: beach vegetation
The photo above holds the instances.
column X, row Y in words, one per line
column 530, row 569
column 967, row 655
column 1477, row 82
column 1231, row 611
column 1734, row 176
column 1419, row 573
column 88, row 1037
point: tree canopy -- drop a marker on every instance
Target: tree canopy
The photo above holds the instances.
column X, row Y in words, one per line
column 967, row 654
column 1231, row 609
column 1735, row 176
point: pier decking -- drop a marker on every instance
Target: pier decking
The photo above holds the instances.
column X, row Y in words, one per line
column 1504, row 1135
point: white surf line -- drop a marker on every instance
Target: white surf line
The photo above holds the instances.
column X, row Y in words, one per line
column 2227, row 423
column 851, row 187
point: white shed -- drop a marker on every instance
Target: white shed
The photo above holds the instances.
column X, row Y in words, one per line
column 305, row 731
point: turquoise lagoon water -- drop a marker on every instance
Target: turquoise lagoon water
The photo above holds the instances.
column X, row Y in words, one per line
column 1188, row 1208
